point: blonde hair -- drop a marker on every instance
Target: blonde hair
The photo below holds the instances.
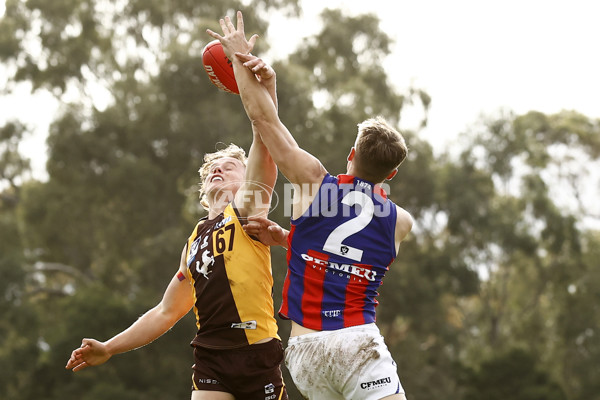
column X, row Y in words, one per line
column 232, row 151
column 380, row 149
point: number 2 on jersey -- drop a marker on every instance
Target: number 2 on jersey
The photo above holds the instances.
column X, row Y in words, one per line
column 334, row 243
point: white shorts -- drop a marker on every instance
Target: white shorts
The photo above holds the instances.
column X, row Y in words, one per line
column 350, row 363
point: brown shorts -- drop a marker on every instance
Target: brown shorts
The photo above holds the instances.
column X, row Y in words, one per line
column 248, row 373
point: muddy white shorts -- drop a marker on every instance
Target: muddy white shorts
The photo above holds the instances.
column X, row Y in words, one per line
column 350, row 363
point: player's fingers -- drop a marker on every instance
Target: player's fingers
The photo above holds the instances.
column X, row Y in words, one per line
column 224, row 27
column 257, row 218
column 258, row 67
column 243, row 57
column 252, row 232
column 254, row 64
column 252, row 41
column 269, row 72
column 74, row 359
column 214, row 34
column 249, row 226
column 277, row 230
column 81, row 366
column 240, row 21
column 251, row 60
column 252, row 226
column 258, row 224
column 229, row 24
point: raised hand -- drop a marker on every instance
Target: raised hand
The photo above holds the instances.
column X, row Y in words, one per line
column 234, row 39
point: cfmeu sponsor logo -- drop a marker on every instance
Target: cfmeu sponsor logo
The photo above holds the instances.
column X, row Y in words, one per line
column 341, row 269
column 376, row 384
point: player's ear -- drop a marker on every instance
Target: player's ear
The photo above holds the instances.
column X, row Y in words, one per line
column 352, row 154
column 392, row 174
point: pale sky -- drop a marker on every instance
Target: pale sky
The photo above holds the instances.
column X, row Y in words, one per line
column 475, row 56
column 471, row 56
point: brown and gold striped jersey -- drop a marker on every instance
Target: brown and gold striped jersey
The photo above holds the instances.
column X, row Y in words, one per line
column 232, row 282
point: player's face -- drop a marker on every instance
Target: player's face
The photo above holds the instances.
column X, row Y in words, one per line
column 225, row 177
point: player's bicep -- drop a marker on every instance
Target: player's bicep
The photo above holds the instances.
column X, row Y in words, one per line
column 182, row 272
column 178, row 299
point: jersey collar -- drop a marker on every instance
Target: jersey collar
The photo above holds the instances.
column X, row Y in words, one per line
column 350, row 179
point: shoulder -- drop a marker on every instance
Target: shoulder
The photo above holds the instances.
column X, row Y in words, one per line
column 326, row 180
column 200, row 222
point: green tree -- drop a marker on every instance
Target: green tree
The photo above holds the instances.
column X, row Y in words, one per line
column 503, row 254
column 104, row 233
column 512, row 375
column 19, row 323
column 528, row 241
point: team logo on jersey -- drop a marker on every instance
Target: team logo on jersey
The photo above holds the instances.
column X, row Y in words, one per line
column 222, row 223
column 244, row 325
column 204, row 243
column 207, row 261
column 193, row 251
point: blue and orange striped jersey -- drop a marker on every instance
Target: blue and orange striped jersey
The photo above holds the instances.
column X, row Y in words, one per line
column 338, row 253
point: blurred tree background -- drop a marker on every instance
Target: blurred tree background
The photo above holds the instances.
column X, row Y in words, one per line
column 495, row 294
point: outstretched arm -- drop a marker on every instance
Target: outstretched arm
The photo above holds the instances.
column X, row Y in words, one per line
column 296, row 164
column 254, row 197
column 176, row 302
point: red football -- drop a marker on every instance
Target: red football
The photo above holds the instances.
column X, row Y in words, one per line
column 219, row 67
